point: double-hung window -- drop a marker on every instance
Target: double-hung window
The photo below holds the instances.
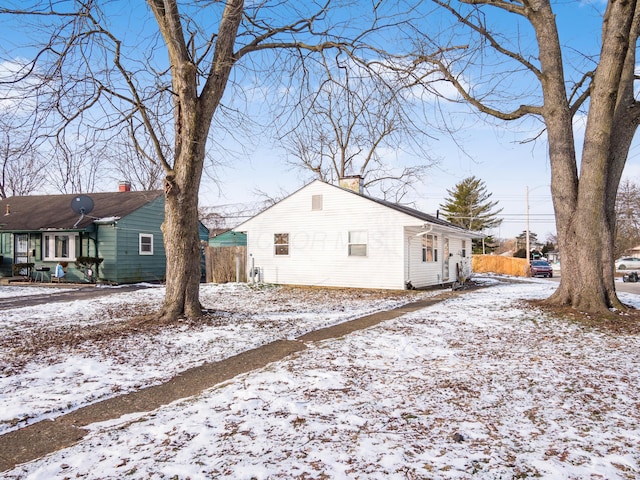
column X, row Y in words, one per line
column 145, row 244
column 358, row 243
column 429, row 248
column 281, row 243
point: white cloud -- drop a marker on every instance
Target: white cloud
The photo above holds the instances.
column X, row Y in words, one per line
column 14, row 91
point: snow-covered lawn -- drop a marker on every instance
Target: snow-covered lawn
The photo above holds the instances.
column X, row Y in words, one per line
column 478, row 386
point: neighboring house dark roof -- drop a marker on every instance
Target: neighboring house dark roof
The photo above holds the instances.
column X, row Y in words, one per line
column 44, row 212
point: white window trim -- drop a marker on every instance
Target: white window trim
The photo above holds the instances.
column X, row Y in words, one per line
column 49, row 240
column 276, row 245
column 360, row 243
column 433, row 248
column 140, row 237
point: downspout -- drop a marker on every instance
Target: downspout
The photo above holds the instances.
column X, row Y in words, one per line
column 408, row 280
column 95, row 248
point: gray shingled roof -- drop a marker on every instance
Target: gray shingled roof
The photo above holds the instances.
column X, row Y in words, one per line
column 415, row 213
column 411, row 211
column 42, row 212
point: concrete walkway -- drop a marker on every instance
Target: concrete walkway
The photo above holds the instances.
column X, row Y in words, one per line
column 47, row 436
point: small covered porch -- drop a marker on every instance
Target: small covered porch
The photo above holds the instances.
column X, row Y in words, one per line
column 436, row 255
column 35, row 256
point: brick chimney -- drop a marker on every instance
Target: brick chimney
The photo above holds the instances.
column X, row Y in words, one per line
column 352, row 182
column 124, row 187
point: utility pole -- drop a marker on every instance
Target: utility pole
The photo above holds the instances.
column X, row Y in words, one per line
column 527, row 215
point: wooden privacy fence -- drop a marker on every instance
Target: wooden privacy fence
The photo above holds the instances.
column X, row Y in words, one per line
column 496, row 264
column 225, row 264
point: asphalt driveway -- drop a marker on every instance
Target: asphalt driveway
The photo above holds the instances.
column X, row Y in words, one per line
column 64, row 293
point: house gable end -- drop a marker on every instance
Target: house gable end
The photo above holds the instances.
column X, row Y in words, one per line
column 319, row 187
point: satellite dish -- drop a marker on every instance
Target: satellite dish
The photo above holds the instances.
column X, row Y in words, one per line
column 82, row 204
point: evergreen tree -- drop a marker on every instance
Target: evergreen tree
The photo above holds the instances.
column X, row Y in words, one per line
column 469, row 206
column 548, row 247
column 522, row 238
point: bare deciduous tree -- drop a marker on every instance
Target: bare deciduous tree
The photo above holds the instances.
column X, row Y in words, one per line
column 76, row 170
column 21, row 165
column 358, row 121
column 129, row 163
column 583, row 193
column 94, row 78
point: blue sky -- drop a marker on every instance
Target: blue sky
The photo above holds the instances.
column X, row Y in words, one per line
column 506, row 167
column 491, row 152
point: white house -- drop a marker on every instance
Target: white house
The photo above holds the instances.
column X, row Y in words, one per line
column 335, row 236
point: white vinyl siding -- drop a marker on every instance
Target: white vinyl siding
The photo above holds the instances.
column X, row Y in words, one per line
column 319, row 244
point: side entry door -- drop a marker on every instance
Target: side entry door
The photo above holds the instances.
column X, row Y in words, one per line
column 445, row 260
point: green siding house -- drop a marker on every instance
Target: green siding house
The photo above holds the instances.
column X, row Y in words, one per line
column 229, row 239
column 122, row 228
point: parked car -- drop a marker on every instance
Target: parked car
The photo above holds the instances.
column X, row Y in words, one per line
column 627, row 263
column 540, row 268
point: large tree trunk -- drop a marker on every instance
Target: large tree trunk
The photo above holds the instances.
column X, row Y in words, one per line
column 564, row 172
column 193, row 113
column 625, row 125
column 182, row 245
column 584, row 202
column 180, row 226
column 582, row 219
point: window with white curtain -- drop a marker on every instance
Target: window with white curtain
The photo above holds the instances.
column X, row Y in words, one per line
column 60, row 246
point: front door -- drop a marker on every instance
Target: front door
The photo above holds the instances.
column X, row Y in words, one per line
column 21, row 250
column 445, row 260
